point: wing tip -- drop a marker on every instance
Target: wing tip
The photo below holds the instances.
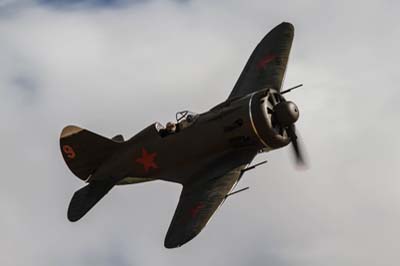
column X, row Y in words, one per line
column 171, row 242
column 286, row 26
column 72, row 217
column 170, row 245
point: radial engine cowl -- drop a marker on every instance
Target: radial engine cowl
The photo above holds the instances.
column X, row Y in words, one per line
column 286, row 113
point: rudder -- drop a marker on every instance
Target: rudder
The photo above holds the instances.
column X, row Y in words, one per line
column 84, row 151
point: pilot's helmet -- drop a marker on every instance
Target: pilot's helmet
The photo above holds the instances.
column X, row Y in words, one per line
column 171, row 127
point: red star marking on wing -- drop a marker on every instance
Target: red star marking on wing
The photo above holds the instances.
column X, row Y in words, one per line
column 195, row 210
column 265, row 61
column 147, row 160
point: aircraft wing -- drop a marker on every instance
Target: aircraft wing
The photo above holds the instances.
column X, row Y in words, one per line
column 267, row 64
column 197, row 204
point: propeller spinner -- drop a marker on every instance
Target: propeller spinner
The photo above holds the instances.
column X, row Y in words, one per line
column 286, row 113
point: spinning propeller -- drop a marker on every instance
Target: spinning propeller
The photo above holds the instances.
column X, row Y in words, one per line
column 286, row 113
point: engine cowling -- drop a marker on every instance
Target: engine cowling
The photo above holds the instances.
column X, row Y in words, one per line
column 270, row 115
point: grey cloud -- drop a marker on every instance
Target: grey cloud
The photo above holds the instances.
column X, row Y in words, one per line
column 14, row 7
column 79, row 4
column 26, row 86
column 88, row 3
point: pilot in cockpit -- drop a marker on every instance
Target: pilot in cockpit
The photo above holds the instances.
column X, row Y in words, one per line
column 170, row 127
column 184, row 120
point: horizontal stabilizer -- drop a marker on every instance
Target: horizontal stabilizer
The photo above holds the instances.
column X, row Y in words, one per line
column 85, row 198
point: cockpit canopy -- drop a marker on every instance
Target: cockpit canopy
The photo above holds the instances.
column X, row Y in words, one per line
column 184, row 119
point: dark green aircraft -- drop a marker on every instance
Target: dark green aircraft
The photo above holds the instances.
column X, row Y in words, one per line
column 207, row 153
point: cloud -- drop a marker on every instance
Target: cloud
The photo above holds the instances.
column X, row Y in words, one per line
column 120, row 69
column 88, row 3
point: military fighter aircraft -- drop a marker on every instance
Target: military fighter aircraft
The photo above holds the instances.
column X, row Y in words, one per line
column 206, row 153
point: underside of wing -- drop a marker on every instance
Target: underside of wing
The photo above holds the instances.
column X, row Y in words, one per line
column 197, row 204
column 267, row 64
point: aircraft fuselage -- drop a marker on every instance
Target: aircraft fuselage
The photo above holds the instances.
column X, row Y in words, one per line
column 239, row 126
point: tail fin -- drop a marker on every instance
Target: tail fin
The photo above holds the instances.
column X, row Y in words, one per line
column 84, row 151
column 85, row 198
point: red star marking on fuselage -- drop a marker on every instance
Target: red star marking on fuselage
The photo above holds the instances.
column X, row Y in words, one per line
column 147, row 160
column 265, row 61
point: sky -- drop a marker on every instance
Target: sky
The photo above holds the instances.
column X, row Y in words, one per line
column 116, row 66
